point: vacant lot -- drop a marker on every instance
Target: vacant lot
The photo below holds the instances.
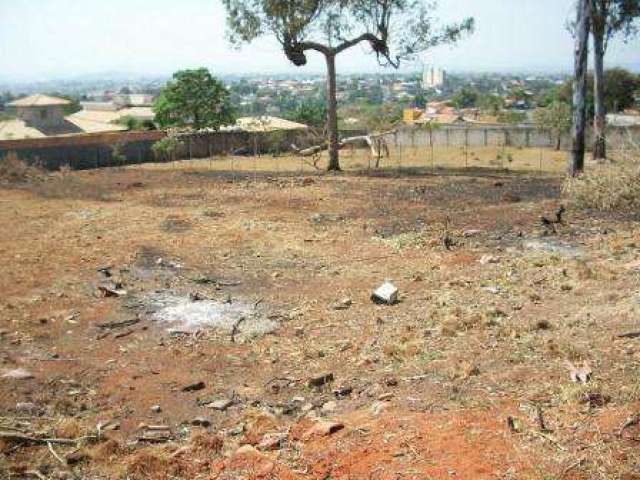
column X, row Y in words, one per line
column 153, row 320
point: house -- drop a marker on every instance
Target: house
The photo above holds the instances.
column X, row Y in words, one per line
column 263, row 124
column 41, row 111
column 44, row 116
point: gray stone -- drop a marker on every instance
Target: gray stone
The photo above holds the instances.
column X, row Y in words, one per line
column 18, row 374
column 387, row 293
column 220, row 405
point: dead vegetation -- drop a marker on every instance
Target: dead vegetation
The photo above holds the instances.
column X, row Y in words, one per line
column 467, row 372
column 612, row 187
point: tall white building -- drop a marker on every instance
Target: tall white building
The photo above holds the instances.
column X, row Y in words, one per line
column 433, row 77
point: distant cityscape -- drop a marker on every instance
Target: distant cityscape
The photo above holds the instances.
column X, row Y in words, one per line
column 110, row 104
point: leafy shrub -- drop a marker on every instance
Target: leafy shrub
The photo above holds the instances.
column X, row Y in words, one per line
column 166, row 148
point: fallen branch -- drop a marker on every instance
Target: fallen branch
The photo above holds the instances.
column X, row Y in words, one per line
column 121, row 324
column 55, row 454
column 21, row 438
column 36, row 474
column 635, row 334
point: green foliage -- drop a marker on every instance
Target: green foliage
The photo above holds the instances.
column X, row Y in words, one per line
column 133, row 123
column 619, row 88
column 465, row 98
column 194, row 98
column 166, row 148
column 512, row 117
column 337, row 25
column 557, row 116
column 490, row 103
column 312, row 113
column 384, row 117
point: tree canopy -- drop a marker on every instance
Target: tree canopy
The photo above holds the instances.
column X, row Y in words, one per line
column 619, row 88
column 393, row 30
column 194, row 98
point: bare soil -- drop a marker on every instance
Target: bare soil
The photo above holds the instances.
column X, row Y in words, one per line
column 467, row 376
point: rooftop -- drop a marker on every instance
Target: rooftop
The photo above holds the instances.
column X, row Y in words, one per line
column 39, row 100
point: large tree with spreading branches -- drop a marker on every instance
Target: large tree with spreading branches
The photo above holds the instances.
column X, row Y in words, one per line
column 608, row 18
column 394, row 30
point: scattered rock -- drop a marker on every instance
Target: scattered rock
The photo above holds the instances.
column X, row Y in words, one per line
column 579, row 374
column 201, row 422
column 111, row 289
column 247, row 450
column 18, row 374
column 76, row 457
column 156, row 409
column 220, row 405
column 28, row 408
column 329, row 407
column 487, row 259
column 511, row 197
column 322, row 429
column 378, row 407
column 385, row 397
column 320, row 380
column 194, row 387
column 342, row 392
column 343, row 304
column 386, row 294
column 391, row 381
column 272, row 441
column 471, row 233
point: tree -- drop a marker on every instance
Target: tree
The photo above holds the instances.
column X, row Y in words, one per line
column 491, row 103
column 512, row 117
column 556, row 117
column 582, row 27
column 393, row 29
column 465, row 98
column 618, row 85
column 310, row 112
column 194, row 98
column 608, row 18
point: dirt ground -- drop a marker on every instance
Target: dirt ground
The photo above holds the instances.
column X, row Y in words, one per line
column 277, row 364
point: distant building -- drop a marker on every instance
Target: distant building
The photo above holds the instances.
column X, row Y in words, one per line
column 41, row 111
column 41, row 116
column 263, row 123
column 433, row 77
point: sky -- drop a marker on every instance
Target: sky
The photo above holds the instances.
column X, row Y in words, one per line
column 53, row 39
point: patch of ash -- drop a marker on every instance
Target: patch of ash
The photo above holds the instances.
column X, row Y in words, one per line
column 553, row 246
column 184, row 314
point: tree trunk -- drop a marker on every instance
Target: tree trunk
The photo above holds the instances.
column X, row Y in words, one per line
column 332, row 114
column 599, row 121
column 558, row 141
column 576, row 164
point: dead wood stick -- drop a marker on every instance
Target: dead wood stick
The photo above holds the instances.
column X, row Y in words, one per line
column 549, row 439
column 634, row 334
column 36, row 474
column 55, row 454
column 20, row 438
column 121, row 324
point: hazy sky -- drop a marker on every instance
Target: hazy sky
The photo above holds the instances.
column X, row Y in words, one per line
column 40, row 39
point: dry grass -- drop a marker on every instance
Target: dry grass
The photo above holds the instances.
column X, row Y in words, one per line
column 613, row 187
column 491, row 158
column 15, row 171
